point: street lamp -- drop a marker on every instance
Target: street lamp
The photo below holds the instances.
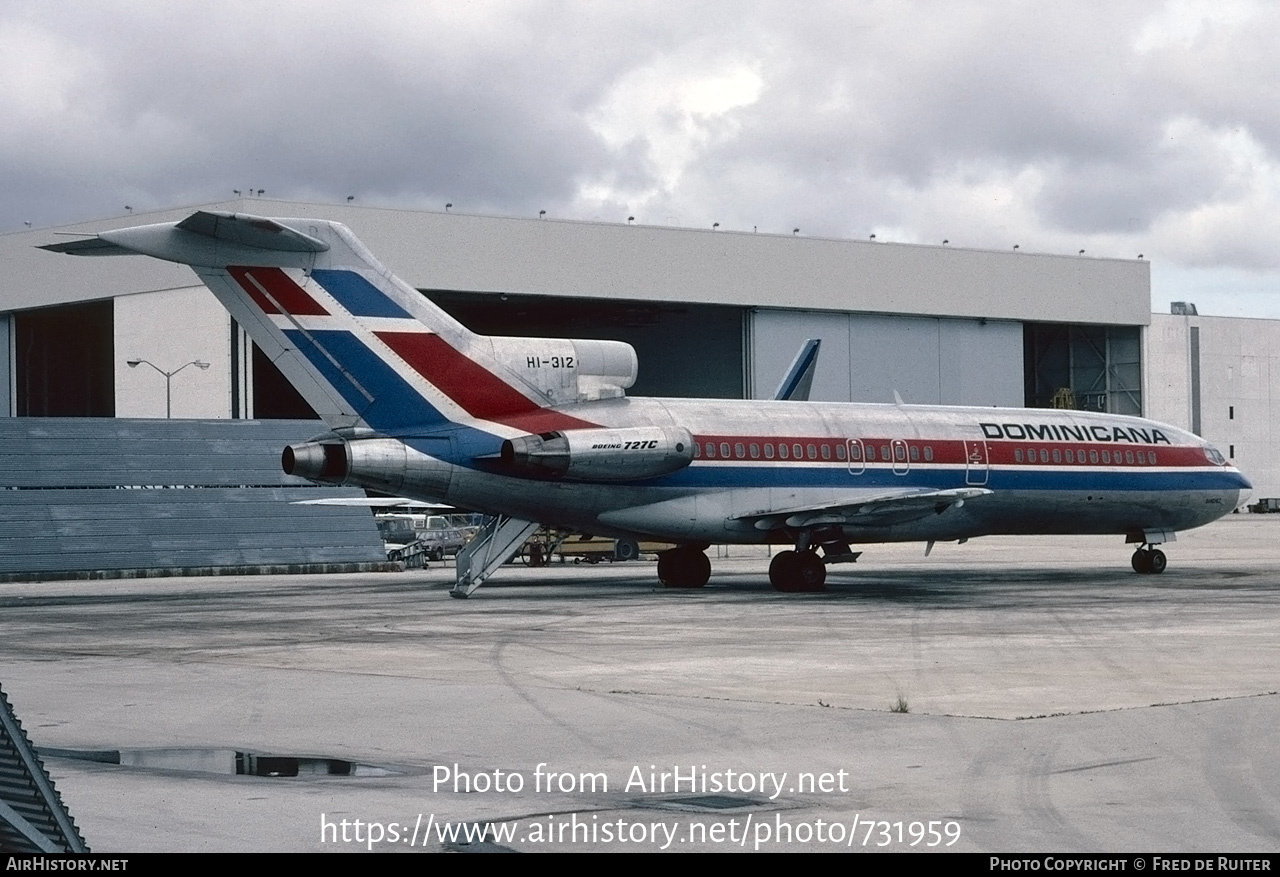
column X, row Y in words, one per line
column 168, row 379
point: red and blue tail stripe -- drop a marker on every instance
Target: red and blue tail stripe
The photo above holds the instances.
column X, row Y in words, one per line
column 391, row 368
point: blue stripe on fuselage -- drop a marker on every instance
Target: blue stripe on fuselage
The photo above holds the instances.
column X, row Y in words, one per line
column 1028, row 479
column 360, row 297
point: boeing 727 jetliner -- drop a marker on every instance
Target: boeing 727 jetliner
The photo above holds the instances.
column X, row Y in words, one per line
column 539, row 430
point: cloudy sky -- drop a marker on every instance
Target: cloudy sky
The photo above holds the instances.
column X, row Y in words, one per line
column 1115, row 127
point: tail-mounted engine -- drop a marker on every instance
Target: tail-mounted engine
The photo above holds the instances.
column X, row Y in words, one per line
column 624, row 454
column 382, row 464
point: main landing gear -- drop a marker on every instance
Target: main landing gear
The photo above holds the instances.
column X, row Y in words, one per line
column 1149, row 560
column 797, row 571
column 684, row 567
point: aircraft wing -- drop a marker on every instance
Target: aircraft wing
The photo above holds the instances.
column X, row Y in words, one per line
column 865, row 508
column 375, row 502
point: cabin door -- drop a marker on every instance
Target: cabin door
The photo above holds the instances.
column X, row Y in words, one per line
column 975, row 462
column 857, row 457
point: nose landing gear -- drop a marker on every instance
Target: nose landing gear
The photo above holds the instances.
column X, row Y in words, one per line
column 1149, row 560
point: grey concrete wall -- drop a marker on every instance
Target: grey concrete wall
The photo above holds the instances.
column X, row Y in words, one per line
column 643, row 262
column 1239, row 387
column 171, row 328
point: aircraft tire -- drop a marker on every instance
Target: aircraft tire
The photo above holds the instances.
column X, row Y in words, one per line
column 626, row 549
column 793, row 572
column 782, row 571
column 1141, row 561
column 1156, row 561
column 811, row 573
column 684, row 567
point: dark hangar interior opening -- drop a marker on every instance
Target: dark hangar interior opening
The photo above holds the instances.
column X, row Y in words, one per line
column 685, row 350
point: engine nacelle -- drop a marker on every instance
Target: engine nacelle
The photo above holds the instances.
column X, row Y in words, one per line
column 624, row 454
column 379, row 463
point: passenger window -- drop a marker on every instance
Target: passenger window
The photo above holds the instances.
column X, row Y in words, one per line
column 855, row 452
column 755, row 451
column 1128, row 457
column 711, row 449
column 900, row 453
column 697, row 449
column 1057, row 455
column 871, row 452
column 1044, row 455
column 1106, row 456
column 1017, row 455
column 724, row 449
column 1071, row 457
column 1093, row 456
column 915, row 453
column 768, row 450
column 928, row 453
column 839, row 452
column 797, row 451
column 1142, row 458
column 1151, row 457
column 884, row 452
column 813, row 452
column 826, row 451
column 739, row 451
column 783, row 452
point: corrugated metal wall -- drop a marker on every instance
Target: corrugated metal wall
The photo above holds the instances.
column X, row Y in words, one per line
column 86, row 495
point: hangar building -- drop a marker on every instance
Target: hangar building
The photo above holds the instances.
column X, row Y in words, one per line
column 709, row 312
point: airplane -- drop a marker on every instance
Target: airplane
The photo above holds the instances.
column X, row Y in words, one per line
column 540, row 430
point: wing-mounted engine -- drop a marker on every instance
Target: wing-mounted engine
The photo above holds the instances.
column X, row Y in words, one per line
column 567, row 370
column 626, row 454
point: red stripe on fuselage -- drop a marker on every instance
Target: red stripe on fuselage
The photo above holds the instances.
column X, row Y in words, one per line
column 290, row 297
column 481, row 393
column 950, row 451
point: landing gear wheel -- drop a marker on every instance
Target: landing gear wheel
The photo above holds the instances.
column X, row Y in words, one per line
column 626, row 549
column 684, row 567
column 533, row 555
column 782, row 571
column 797, row 571
column 1150, row 560
column 813, row 573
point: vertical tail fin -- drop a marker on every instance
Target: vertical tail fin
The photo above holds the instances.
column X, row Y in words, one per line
column 364, row 348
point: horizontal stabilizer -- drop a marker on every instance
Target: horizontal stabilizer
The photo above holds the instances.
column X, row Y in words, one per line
column 89, row 247
column 251, row 231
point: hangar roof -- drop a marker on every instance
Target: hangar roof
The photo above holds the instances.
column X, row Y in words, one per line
column 465, row 252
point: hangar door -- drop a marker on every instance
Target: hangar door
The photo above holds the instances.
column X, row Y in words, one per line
column 866, row 357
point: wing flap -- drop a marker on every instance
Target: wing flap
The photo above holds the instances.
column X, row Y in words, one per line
column 865, row 509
